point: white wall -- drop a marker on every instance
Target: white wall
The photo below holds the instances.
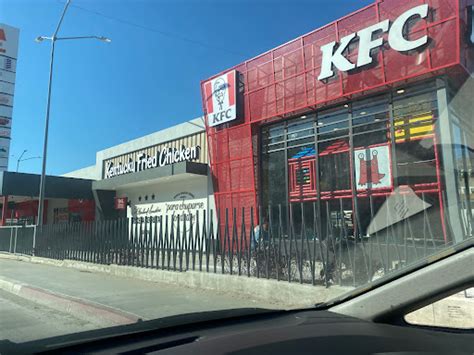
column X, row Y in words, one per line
column 91, row 172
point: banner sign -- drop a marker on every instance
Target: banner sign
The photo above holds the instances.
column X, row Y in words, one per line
column 181, row 207
column 221, row 99
column 373, row 168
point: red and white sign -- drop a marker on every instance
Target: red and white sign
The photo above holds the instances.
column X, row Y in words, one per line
column 373, row 168
column 121, row 203
column 9, row 40
column 221, row 99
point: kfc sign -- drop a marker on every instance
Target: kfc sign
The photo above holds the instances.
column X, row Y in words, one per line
column 221, row 99
column 397, row 39
column 121, row 203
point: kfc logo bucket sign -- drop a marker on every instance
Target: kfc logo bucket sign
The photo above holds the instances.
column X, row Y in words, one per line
column 221, row 99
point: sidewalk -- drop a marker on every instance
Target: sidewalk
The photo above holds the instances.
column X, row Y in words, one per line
column 136, row 298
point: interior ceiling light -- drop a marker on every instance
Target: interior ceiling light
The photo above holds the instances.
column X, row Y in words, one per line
column 400, row 91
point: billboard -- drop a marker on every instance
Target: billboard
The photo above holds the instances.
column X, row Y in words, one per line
column 9, row 37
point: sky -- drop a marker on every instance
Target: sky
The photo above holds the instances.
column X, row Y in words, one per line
column 147, row 78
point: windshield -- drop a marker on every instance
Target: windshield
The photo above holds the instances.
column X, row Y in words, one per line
column 162, row 158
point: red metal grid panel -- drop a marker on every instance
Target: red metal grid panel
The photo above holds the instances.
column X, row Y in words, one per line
column 465, row 28
column 284, row 80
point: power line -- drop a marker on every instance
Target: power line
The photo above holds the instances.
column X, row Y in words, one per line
column 154, row 30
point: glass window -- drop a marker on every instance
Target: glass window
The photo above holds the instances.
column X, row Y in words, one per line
column 454, row 311
column 370, row 121
column 273, row 179
column 273, row 137
column 300, row 132
column 333, row 123
column 334, row 172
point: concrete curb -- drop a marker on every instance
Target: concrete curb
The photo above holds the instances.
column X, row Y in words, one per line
column 92, row 312
column 280, row 292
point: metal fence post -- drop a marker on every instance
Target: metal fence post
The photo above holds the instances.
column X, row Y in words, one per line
column 34, row 241
column 11, row 240
column 16, row 236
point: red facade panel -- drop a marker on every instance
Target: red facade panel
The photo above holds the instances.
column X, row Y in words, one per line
column 284, row 80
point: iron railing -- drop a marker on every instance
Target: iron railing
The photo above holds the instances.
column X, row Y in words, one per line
column 17, row 239
column 296, row 246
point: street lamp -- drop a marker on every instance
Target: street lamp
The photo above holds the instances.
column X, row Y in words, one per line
column 53, row 40
column 20, row 160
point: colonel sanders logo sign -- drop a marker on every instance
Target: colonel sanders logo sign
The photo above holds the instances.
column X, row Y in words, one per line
column 220, row 94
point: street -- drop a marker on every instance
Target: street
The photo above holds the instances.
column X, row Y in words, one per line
column 23, row 320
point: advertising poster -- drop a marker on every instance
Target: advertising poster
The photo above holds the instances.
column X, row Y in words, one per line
column 373, row 168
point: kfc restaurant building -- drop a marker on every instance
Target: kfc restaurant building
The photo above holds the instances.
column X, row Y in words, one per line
column 361, row 122
column 162, row 174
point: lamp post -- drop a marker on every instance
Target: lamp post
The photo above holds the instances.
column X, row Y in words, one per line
column 53, row 40
column 19, row 159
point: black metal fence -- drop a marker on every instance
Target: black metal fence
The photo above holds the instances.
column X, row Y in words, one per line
column 296, row 246
column 17, row 239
